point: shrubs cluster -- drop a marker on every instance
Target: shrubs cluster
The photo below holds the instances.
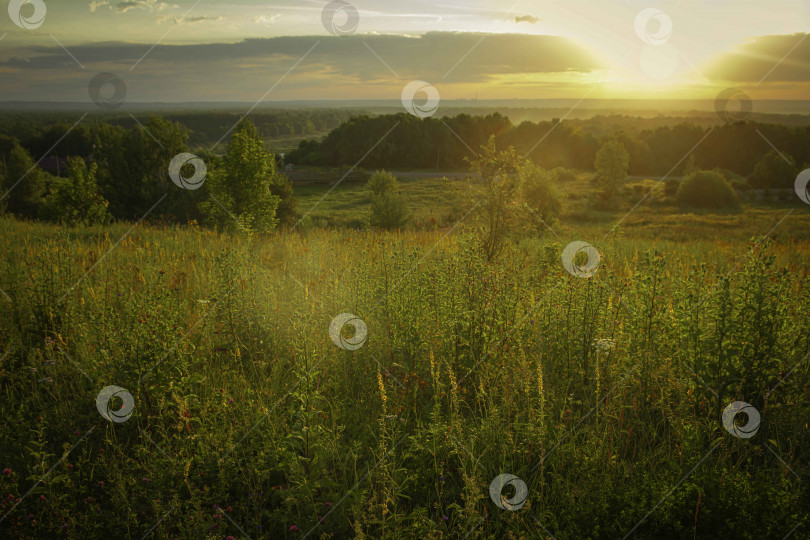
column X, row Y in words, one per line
column 708, row 190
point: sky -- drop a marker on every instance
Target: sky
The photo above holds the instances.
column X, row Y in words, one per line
column 249, row 50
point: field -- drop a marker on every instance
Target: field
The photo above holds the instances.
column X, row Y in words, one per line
column 251, row 419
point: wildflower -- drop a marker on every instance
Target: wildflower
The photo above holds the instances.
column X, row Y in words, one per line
column 383, row 395
column 145, row 480
column 604, row 345
column 441, row 478
column 445, row 518
column 293, row 528
column 7, row 471
column 230, row 538
column 328, row 504
column 101, row 483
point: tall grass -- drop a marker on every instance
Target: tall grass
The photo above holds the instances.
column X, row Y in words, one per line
column 600, row 394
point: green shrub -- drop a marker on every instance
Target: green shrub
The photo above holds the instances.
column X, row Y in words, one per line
column 75, row 200
column 706, row 189
column 540, row 195
column 561, row 174
column 389, row 209
column 671, row 187
column 773, row 171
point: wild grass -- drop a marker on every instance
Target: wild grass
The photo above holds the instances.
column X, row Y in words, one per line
column 603, row 395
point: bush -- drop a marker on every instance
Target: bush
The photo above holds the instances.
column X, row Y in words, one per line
column 773, row 171
column 388, row 207
column 706, row 189
column 382, row 182
column 540, row 195
column 561, row 174
column 75, row 200
column 671, row 187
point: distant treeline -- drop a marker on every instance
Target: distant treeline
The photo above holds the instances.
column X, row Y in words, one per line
column 38, row 131
column 444, row 143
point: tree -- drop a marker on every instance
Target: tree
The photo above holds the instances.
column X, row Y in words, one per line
column 24, row 184
column 75, row 199
column 133, row 164
column 499, row 171
column 612, row 163
column 242, row 187
column 388, row 207
column 540, row 195
column 773, row 171
column 706, row 189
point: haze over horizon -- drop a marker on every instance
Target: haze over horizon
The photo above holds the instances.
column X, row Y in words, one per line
column 188, row 51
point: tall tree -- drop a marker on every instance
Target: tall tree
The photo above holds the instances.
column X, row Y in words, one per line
column 133, row 165
column 774, row 171
column 242, row 187
column 612, row 163
column 500, row 173
column 24, row 184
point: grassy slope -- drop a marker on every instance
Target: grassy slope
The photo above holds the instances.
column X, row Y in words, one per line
column 470, row 370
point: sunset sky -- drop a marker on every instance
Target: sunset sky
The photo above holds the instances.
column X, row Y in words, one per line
column 240, row 50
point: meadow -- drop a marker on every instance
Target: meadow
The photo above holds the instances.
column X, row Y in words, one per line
column 252, row 419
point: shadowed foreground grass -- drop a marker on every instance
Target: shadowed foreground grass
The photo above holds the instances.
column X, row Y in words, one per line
column 603, row 395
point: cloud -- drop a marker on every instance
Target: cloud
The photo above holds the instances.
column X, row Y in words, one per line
column 336, row 68
column 429, row 55
column 95, row 4
column 782, row 58
column 150, row 5
column 190, row 20
column 266, row 19
column 527, row 18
